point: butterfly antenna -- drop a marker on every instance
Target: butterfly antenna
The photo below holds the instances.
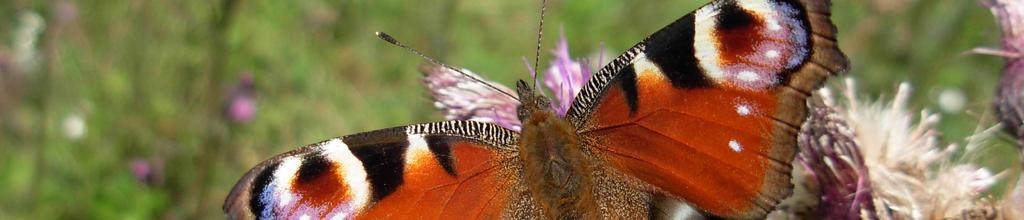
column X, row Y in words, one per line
column 540, row 36
column 392, row 41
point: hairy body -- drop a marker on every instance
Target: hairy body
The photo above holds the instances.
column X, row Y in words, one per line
column 551, row 152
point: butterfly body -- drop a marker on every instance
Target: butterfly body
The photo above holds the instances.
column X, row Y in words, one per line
column 703, row 112
column 551, row 153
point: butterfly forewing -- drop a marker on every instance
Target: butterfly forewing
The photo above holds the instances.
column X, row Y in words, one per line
column 707, row 109
column 419, row 171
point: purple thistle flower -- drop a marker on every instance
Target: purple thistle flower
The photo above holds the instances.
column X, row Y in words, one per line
column 565, row 77
column 871, row 160
column 1009, row 100
column 141, row 169
column 829, row 153
column 146, row 171
column 241, row 103
column 462, row 98
column 243, row 109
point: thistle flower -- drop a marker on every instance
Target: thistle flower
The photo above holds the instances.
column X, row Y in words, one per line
column 565, row 77
column 462, row 98
column 241, row 103
column 871, row 160
column 829, row 153
column 1009, row 99
column 146, row 171
column 141, row 170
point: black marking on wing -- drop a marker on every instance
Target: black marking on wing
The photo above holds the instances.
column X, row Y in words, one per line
column 442, row 149
column 384, row 163
column 732, row 16
column 627, row 81
column 673, row 51
column 260, row 184
column 313, row 166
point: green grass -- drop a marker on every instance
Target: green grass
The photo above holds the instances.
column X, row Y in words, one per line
column 149, row 78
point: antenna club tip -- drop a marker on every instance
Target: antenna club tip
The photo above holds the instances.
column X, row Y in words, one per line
column 386, row 37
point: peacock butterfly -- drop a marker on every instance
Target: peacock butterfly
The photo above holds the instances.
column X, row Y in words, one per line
column 704, row 111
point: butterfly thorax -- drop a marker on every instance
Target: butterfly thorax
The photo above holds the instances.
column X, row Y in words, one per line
column 555, row 169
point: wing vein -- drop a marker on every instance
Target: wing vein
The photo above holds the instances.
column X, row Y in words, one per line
column 637, row 120
column 461, row 182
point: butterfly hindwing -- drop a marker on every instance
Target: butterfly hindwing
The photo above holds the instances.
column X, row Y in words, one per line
column 707, row 109
column 429, row 170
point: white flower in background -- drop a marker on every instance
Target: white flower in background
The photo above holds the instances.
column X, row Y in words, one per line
column 30, row 25
column 952, row 100
column 73, row 126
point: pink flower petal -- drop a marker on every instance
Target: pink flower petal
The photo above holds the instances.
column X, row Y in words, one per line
column 565, row 77
column 462, row 98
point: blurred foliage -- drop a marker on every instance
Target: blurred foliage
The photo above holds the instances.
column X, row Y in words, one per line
column 149, row 79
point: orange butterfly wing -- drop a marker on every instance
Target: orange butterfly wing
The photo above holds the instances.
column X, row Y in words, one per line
column 707, row 109
column 439, row 170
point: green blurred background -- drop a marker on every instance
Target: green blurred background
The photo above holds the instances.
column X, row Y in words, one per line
column 94, row 94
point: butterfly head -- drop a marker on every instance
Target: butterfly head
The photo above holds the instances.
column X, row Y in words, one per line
column 530, row 101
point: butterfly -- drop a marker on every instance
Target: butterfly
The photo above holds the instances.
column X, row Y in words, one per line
column 703, row 112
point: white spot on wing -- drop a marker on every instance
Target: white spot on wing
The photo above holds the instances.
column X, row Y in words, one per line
column 705, row 44
column 339, row 217
column 355, row 175
column 418, row 149
column 743, row 109
column 304, row 217
column 735, row 146
column 285, row 199
column 774, row 25
column 755, row 5
column 772, row 53
column 765, row 9
column 748, row 76
column 643, row 66
column 283, row 177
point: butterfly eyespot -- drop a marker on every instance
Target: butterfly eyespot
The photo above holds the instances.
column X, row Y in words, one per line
column 747, row 44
